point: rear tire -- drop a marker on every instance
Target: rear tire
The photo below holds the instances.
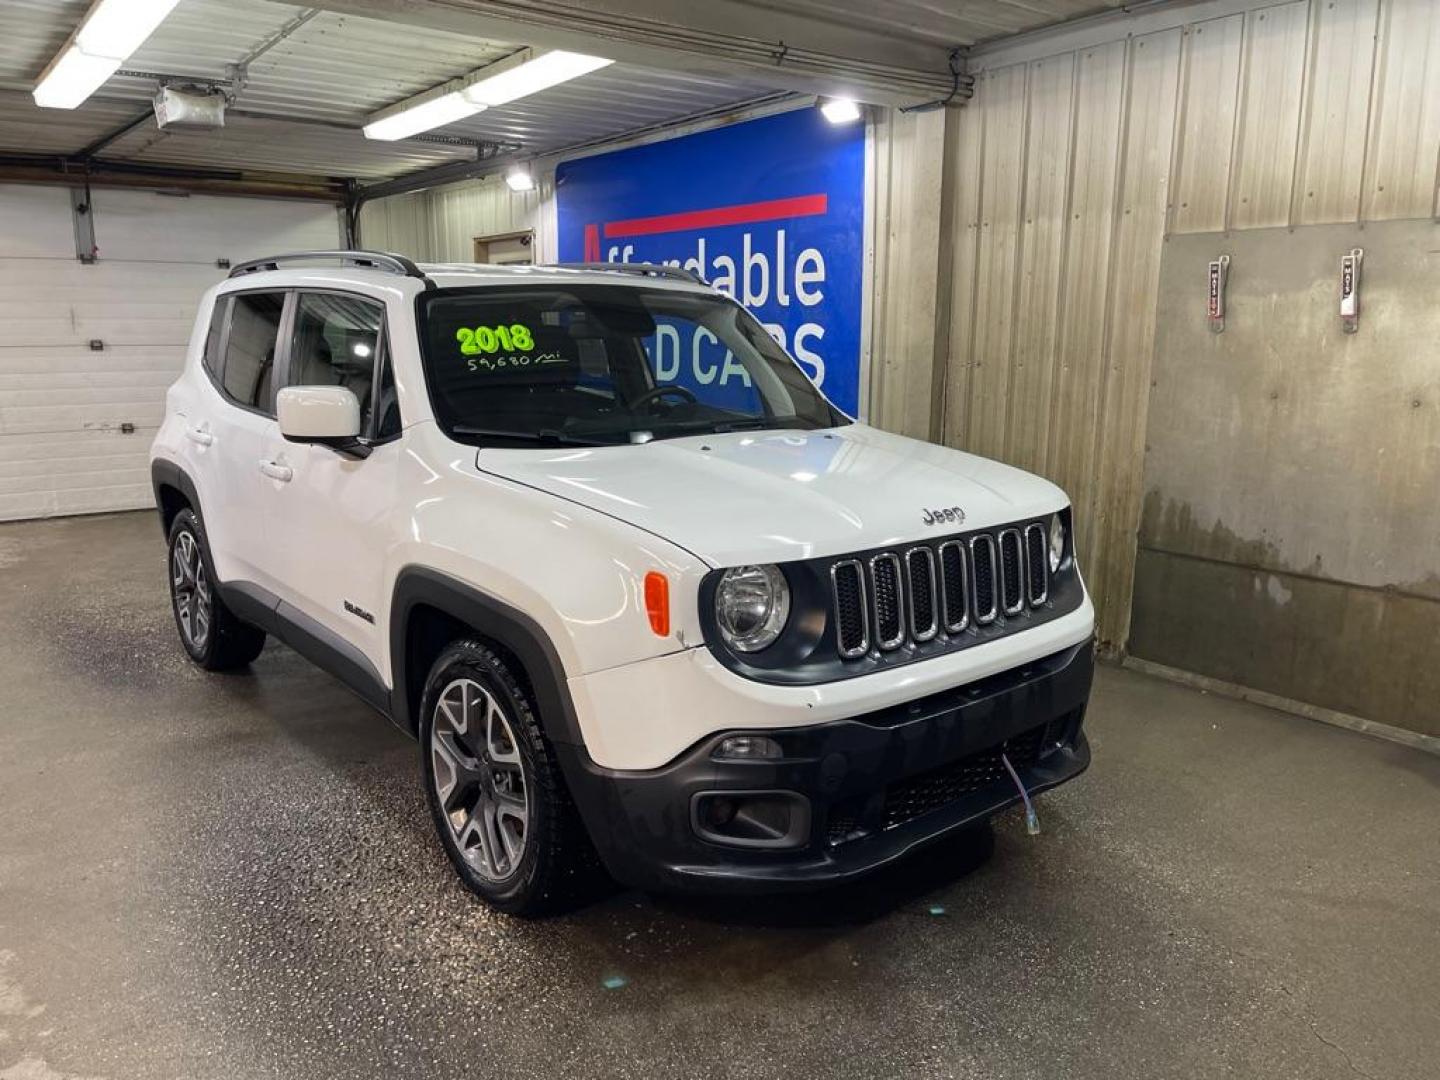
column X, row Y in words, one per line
column 211, row 633
column 496, row 796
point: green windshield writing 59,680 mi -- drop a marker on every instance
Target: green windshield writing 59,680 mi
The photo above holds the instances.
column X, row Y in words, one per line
column 489, row 339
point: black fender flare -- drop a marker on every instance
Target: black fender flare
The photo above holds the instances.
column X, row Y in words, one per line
column 490, row 618
column 166, row 473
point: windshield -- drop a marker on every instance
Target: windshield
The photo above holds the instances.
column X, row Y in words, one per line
column 596, row 364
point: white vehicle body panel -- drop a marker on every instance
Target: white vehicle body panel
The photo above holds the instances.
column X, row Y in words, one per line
column 567, row 535
column 748, row 497
column 672, row 702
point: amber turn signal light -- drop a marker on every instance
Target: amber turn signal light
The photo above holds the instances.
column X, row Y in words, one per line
column 657, row 602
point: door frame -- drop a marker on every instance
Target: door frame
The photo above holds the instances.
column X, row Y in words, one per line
column 482, row 243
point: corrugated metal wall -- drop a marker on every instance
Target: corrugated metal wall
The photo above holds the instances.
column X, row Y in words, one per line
column 441, row 224
column 907, row 288
column 1068, row 171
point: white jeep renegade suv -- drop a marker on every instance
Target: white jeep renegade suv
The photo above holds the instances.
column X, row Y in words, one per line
column 646, row 598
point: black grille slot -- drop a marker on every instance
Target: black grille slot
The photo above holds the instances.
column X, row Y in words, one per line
column 1012, row 572
column 924, row 621
column 888, row 600
column 954, row 588
column 982, row 562
column 889, row 604
column 1037, row 563
column 918, row 795
column 852, row 629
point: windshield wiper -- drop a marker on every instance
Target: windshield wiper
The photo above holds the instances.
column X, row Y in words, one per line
column 724, row 427
column 541, row 435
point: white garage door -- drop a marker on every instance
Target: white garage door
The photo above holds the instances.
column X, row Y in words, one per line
column 76, row 421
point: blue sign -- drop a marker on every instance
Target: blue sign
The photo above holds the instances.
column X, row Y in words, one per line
column 770, row 211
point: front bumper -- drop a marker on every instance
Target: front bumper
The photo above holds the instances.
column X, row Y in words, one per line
column 874, row 786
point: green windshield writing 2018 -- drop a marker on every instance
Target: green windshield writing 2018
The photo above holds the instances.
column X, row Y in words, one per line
column 491, row 339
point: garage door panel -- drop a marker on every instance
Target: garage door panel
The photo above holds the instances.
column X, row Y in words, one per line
column 79, row 472
column 35, row 223
column 67, row 279
column 62, row 405
column 96, row 500
column 80, row 416
column 33, row 477
column 76, row 387
column 145, row 226
column 69, row 359
column 79, row 327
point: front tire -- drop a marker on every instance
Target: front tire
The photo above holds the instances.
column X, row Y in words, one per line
column 495, row 792
column 212, row 634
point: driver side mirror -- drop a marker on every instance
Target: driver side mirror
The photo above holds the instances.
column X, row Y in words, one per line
column 329, row 415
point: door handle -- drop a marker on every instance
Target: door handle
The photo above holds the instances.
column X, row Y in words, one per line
column 199, row 435
column 276, row 471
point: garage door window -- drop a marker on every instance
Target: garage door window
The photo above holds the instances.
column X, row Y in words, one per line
column 337, row 341
column 249, row 372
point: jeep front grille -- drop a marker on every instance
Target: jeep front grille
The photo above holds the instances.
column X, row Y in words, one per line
column 889, row 603
column 1012, row 572
column 1037, row 562
column 982, row 561
column 910, row 597
column 851, row 620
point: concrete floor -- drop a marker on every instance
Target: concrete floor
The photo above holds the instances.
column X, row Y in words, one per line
column 233, row 876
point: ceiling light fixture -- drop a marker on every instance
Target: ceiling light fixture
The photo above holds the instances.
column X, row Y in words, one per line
column 406, row 119
column 109, row 33
column 840, row 110
column 519, row 75
column 528, row 73
column 520, row 179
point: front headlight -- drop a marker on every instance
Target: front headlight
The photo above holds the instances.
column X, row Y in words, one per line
column 751, row 606
column 1057, row 542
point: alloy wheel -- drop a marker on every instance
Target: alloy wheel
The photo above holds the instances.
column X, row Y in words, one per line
column 480, row 778
column 191, row 589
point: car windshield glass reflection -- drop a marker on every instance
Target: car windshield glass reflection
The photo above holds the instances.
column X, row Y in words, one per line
column 604, row 364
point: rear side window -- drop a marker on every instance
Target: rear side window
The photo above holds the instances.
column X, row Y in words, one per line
column 249, row 371
column 215, row 336
column 336, row 343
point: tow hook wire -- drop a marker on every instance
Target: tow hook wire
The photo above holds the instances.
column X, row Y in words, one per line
column 1032, row 820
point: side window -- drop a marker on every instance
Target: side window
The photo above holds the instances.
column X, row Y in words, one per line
column 387, row 406
column 215, row 335
column 335, row 341
column 249, row 371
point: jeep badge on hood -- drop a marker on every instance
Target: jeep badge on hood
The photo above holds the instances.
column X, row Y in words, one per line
column 950, row 515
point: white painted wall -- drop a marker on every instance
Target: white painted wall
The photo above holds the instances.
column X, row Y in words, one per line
column 62, row 405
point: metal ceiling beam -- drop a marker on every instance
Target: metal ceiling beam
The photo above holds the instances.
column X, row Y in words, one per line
column 483, row 162
column 49, row 169
column 722, row 38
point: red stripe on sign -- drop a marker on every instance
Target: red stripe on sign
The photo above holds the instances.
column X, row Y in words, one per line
column 744, row 214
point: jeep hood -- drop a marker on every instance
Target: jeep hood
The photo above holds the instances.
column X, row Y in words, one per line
column 777, row 496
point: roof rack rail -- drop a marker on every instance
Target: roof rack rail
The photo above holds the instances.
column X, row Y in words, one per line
column 375, row 260
column 677, row 273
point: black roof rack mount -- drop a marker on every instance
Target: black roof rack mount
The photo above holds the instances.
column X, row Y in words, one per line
column 677, row 273
column 372, row 260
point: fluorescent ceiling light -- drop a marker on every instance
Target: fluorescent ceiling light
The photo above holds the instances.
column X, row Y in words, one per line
column 413, row 119
column 514, row 77
column 72, row 78
column 519, row 179
column 118, row 27
column 840, row 110
column 112, row 30
column 531, row 76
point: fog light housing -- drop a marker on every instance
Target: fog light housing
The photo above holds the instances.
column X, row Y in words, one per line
column 748, row 748
column 751, row 819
